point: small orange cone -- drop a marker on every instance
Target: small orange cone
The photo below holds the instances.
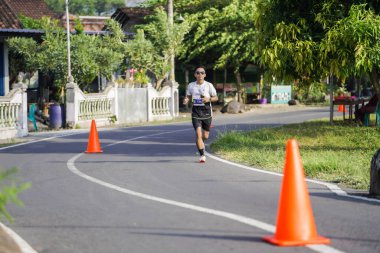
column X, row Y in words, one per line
column 93, row 145
column 295, row 221
column 342, row 108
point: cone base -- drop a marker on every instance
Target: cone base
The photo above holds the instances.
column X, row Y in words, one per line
column 100, row 151
column 316, row 240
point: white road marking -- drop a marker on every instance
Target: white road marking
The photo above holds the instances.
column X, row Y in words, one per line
column 23, row 246
column 242, row 219
column 35, row 141
column 332, row 187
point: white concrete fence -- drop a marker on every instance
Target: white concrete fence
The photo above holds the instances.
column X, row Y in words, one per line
column 14, row 113
column 120, row 105
column 82, row 108
column 112, row 106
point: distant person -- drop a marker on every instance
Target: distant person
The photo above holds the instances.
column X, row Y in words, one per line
column 369, row 107
column 202, row 93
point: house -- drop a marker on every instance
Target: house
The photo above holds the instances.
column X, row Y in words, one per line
column 91, row 24
column 128, row 17
column 11, row 26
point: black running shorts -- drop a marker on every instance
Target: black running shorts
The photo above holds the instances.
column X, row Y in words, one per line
column 201, row 117
column 203, row 123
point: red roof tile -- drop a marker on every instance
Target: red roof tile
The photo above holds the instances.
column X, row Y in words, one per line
column 31, row 8
column 130, row 16
column 89, row 23
column 8, row 19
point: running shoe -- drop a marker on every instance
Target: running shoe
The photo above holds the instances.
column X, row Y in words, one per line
column 202, row 159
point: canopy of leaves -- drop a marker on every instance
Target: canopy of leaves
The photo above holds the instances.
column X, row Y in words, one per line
column 351, row 46
column 154, row 42
column 225, row 31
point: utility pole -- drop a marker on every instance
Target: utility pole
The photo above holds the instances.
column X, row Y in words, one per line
column 171, row 23
column 68, row 42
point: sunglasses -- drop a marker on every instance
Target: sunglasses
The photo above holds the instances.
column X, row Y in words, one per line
column 200, row 73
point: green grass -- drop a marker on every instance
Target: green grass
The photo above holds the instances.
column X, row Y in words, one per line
column 339, row 153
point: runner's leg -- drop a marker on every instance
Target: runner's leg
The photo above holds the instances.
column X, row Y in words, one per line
column 199, row 140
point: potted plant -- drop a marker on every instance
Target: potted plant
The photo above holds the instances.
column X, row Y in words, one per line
column 141, row 79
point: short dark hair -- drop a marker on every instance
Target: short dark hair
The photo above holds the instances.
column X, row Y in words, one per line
column 199, row 67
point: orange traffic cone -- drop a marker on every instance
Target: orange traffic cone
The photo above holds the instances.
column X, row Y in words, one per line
column 342, row 108
column 295, row 221
column 93, row 145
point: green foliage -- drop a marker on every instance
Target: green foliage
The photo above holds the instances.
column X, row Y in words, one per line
column 154, row 42
column 112, row 119
column 339, row 153
column 30, row 23
column 314, row 92
column 9, row 191
column 287, row 39
column 141, row 52
column 351, row 46
column 222, row 30
column 78, row 26
column 91, row 55
column 141, row 77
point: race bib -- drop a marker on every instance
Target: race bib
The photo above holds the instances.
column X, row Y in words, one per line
column 197, row 101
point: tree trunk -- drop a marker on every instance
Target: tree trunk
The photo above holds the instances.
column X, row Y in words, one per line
column 238, row 85
column 375, row 80
column 159, row 83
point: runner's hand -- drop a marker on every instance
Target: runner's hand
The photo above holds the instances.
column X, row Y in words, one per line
column 185, row 100
column 205, row 99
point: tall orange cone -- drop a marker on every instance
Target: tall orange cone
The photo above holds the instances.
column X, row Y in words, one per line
column 342, row 108
column 295, row 221
column 93, row 145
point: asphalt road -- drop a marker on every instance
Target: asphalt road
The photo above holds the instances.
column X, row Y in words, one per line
column 147, row 193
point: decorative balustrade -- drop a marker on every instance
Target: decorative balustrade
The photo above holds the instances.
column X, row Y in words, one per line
column 13, row 113
column 160, row 106
column 95, row 108
column 82, row 108
column 133, row 105
column 163, row 104
column 9, row 114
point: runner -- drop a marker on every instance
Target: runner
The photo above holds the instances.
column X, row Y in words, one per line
column 202, row 93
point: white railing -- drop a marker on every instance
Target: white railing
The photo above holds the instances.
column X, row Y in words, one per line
column 82, row 108
column 163, row 104
column 9, row 114
column 13, row 113
column 93, row 108
column 146, row 104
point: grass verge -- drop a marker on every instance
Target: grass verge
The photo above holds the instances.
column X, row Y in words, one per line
column 339, row 153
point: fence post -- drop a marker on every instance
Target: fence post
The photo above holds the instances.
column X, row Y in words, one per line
column 173, row 104
column 22, row 128
column 115, row 107
column 72, row 105
column 149, row 90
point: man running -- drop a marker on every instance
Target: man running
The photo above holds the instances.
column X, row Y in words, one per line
column 202, row 93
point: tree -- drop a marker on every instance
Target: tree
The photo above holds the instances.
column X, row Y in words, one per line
column 221, row 33
column 91, row 55
column 351, row 46
column 288, row 39
column 225, row 32
column 154, row 42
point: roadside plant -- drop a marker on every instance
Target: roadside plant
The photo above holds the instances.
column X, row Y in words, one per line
column 9, row 190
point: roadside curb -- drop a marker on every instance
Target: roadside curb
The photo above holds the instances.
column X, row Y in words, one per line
column 10, row 242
